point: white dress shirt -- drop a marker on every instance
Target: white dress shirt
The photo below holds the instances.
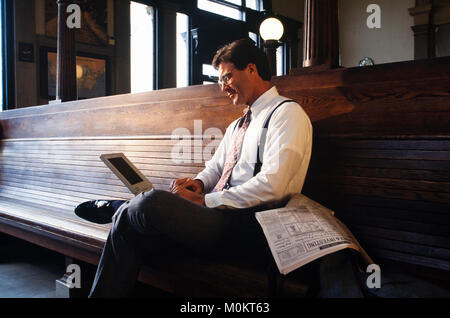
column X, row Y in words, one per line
column 287, row 152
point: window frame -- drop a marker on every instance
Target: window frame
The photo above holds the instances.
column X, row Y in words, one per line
column 241, row 7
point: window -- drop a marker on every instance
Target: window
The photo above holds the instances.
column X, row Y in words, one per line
column 210, row 74
column 253, row 36
column 182, row 50
column 234, row 9
column 232, row 28
column 280, row 61
column 254, row 4
column 141, row 47
column 222, row 9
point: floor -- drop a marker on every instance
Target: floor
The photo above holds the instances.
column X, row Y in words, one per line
column 29, row 271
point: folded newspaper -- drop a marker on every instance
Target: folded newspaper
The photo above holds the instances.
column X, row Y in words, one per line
column 303, row 231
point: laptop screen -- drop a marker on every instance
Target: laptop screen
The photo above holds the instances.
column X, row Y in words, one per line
column 121, row 165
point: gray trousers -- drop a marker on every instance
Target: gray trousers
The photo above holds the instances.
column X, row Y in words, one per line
column 147, row 224
column 157, row 221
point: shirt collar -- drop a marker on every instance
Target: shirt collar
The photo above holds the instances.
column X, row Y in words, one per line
column 263, row 101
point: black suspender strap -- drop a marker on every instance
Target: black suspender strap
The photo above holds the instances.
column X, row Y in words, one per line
column 262, row 141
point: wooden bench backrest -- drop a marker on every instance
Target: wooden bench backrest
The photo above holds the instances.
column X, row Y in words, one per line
column 51, row 156
column 380, row 154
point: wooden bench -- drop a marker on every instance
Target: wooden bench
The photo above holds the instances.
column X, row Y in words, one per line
column 50, row 163
column 380, row 160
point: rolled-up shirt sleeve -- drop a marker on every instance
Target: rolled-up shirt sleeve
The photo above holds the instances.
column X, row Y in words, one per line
column 288, row 144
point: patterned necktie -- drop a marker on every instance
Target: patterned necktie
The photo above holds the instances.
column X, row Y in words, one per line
column 233, row 152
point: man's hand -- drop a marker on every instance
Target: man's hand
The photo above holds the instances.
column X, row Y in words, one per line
column 189, row 184
column 196, row 197
column 189, row 189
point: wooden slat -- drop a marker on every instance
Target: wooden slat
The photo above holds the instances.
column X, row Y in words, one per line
column 191, row 157
column 394, row 163
column 412, row 237
column 13, row 194
column 395, row 154
column 68, row 215
column 391, row 193
column 137, row 142
column 389, row 203
column 88, row 177
column 389, row 183
column 86, row 169
column 398, row 256
column 64, row 169
column 55, row 219
column 389, row 223
column 65, row 187
column 65, row 192
column 57, row 184
column 406, row 247
column 171, row 159
column 45, row 198
column 96, row 164
column 75, row 166
column 325, row 148
column 389, row 144
column 113, row 141
column 93, row 150
column 403, row 174
column 441, row 218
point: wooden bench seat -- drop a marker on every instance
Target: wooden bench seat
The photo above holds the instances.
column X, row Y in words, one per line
column 380, row 160
column 42, row 180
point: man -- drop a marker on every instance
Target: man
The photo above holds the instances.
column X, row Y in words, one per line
column 214, row 212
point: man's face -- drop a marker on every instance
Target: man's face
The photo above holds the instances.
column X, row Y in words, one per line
column 237, row 84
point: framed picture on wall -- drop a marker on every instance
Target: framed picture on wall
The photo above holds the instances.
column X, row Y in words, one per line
column 92, row 74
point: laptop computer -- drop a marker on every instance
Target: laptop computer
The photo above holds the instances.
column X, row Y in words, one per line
column 135, row 181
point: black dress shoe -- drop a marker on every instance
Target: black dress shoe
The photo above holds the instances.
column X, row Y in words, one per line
column 98, row 211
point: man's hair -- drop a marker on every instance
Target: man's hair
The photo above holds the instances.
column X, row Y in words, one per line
column 241, row 53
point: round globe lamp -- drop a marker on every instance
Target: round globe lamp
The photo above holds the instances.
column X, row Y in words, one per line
column 271, row 30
